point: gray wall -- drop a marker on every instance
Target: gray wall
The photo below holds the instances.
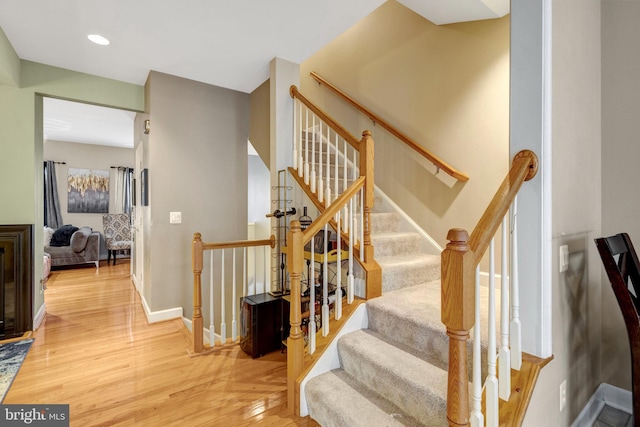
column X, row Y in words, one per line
column 21, row 135
column 197, row 159
column 620, row 172
column 260, row 128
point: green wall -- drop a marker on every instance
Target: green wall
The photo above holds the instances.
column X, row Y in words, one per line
column 21, row 194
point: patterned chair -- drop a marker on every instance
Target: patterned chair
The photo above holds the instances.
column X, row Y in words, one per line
column 117, row 234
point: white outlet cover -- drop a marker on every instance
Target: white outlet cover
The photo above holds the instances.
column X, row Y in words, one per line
column 175, row 217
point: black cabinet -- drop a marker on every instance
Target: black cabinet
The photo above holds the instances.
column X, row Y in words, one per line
column 262, row 324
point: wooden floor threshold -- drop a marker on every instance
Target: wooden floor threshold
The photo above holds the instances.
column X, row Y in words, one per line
column 26, row 335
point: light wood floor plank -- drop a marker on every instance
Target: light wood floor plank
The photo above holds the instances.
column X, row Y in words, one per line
column 96, row 352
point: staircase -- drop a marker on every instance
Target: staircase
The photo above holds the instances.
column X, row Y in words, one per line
column 403, row 368
column 392, row 373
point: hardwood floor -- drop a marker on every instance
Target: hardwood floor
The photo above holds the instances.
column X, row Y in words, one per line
column 96, row 352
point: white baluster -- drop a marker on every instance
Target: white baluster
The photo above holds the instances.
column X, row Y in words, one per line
column 338, row 306
column 327, row 199
column 244, row 272
column 491, row 384
column 350, row 284
column 265, row 261
column 345, row 184
column 234, row 296
column 212, row 329
column 336, row 187
column 299, row 138
column 311, row 281
column 313, row 155
column 306, row 148
column 477, row 419
column 505, row 354
column 320, row 180
column 325, row 285
column 223, row 323
column 354, row 172
column 255, row 270
column 295, row 137
column 515, row 329
column 362, row 221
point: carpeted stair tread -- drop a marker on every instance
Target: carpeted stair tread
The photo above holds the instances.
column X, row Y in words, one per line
column 336, row 399
column 411, row 316
column 409, row 382
column 395, row 243
column 384, row 222
column 408, row 270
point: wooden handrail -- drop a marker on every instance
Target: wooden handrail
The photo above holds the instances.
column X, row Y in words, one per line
column 459, row 261
column 240, row 244
column 523, row 168
column 333, row 209
column 197, row 261
column 337, row 127
column 439, row 163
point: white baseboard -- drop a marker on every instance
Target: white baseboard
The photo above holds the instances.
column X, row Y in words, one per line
column 205, row 333
column 161, row 315
column 605, row 394
column 39, row 317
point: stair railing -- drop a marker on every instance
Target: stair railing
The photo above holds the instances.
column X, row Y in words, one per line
column 461, row 303
column 245, row 253
column 335, row 170
column 296, row 240
column 439, row 164
column 327, row 159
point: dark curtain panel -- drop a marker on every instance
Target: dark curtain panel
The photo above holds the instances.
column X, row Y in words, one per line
column 127, row 191
column 52, row 215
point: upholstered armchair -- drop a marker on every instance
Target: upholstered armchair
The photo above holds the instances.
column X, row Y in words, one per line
column 117, row 234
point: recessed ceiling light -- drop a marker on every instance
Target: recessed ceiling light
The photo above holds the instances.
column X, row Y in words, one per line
column 98, row 39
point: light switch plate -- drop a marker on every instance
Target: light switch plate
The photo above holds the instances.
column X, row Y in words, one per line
column 175, row 217
column 564, row 258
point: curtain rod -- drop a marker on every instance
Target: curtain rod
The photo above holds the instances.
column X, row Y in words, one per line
column 57, row 163
column 121, row 167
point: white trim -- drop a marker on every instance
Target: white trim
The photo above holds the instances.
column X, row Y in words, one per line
column 546, row 326
column 161, row 315
column 39, row 317
column 137, row 284
column 205, row 334
column 530, row 128
column 329, row 360
column 605, row 394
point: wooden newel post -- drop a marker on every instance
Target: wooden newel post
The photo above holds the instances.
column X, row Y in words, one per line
column 458, row 314
column 196, row 262
column 295, row 342
column 366, row 170
column 374, row 272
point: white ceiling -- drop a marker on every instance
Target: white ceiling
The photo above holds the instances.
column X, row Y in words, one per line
column 228, row 43
column 87, row 124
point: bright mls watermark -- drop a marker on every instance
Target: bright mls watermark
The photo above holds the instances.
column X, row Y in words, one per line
column 34, row 415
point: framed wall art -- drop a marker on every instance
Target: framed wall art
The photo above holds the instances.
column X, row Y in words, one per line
column 88, row 191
